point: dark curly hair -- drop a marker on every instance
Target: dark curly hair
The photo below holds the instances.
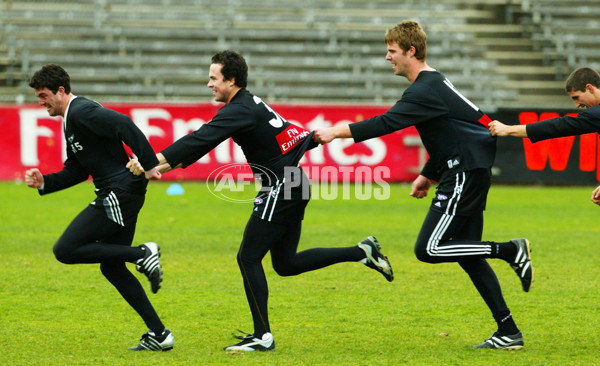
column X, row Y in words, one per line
column 234, row 67
column 51, row 76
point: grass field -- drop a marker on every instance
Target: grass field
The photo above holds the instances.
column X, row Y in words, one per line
column 56, row 314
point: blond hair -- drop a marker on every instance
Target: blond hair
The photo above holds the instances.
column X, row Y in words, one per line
column 406, row 34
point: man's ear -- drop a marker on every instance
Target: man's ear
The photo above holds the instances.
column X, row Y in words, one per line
column 595, row 92
column 591, row 88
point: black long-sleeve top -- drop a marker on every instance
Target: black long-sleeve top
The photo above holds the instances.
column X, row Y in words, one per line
column 95, row 137
column 450, row 126
column 587, row 121
column 269, row 142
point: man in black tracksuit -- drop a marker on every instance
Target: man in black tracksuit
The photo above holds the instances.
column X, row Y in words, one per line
column 583, row 86
column 461, row 152
column 104, row 230
column 273, row 147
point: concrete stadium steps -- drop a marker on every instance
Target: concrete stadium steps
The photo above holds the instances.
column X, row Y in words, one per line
column 496, row 52
column 326, row 39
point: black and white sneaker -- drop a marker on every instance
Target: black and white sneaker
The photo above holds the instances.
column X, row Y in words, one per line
column 152, row 342
column 150, row 265
column 522, row 263
column 251, row 343
column 375, row 259
column 509, row 342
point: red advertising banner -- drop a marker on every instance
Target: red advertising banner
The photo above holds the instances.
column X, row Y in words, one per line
column 571, row 160
column 30, row 138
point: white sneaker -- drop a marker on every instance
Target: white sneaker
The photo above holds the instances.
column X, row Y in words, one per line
column 251, row 343
column 152, row 342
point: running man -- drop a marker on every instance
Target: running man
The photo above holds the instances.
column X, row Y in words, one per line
column 103, row 232
column 273, row 147
column 461, row 152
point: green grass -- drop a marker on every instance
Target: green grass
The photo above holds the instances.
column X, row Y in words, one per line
column 346, row 314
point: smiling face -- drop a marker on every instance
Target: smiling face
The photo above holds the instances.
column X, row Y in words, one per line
column 52, row 102
column 588, row 98
column 223, row 90
column 399, row 59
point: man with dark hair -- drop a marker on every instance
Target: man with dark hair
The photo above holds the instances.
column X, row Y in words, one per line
column 583, row 86
column 273, row 147
column 579, row 80
column 461, row 152
column 104, row 230
column 234, row 67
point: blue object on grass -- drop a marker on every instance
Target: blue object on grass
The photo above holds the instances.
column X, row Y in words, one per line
column 175, row 189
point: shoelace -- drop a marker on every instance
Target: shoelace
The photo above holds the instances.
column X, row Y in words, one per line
column 242, row 335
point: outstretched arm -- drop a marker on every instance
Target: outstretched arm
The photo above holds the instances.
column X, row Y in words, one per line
column 163, row 164
column 498, row 128
column 136, row 168
column 326, row 135
column 155, row 173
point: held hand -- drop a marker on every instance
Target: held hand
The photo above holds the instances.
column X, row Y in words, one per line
column 324, row 135
column 420, row 187
column 596, row 196
column 33, row 178
column 153, row 174
column 163, row 168
column 135, row 167
column 498, row 128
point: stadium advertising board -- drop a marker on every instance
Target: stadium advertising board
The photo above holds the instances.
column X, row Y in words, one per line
column 30, row 138
column 560, row 161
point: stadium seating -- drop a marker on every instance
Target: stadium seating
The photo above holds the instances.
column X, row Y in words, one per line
column 498, row 53
column 566, row 31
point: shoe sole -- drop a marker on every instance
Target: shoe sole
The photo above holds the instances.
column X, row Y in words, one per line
column 390, row 276
column 155, row 281
column 528, row 249
column 513, row 348
column 487, row 345
column 527, row 245
column 147, row 349
column 250, row 347
column 509, row 348
column 156, row 278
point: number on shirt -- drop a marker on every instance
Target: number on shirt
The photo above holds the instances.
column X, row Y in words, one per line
column 76, row 146
column 275, row 122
